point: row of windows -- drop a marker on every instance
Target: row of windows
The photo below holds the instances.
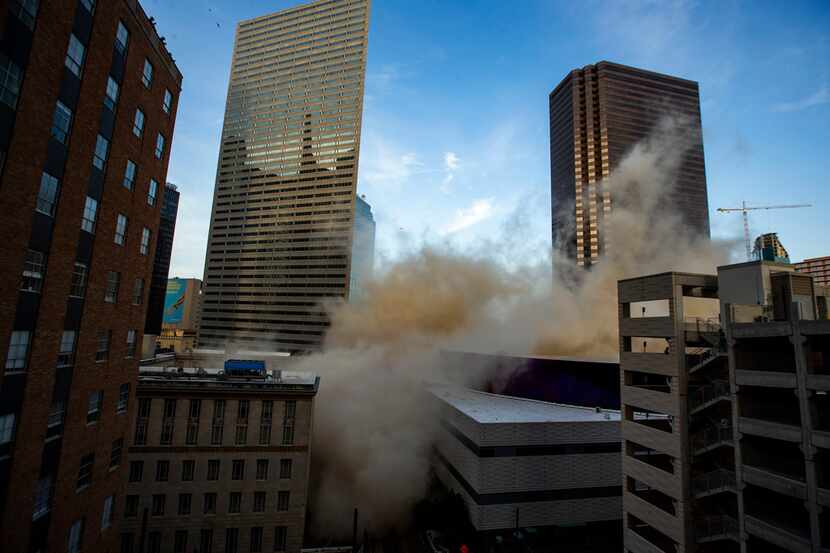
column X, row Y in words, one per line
column 209, row 501
column 213, row 472
column 206, row 540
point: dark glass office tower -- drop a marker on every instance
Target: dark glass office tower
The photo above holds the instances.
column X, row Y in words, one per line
column 597, row 114
column 161, row 264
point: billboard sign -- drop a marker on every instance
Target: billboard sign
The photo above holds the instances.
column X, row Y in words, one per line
column 174, row 301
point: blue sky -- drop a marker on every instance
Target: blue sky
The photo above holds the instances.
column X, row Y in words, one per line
column 455, row 127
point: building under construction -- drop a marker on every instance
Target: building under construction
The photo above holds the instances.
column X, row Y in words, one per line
column 726, row 418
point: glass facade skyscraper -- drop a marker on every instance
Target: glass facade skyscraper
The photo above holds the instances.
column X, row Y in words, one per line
column 284, row 201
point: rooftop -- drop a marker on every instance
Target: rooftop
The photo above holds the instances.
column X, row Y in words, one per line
column 192, row 377
column 498, row 409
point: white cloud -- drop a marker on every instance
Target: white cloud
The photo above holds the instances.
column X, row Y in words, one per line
column 383, row 165
column 820, row 96
column 466, row 217
column 451, row 161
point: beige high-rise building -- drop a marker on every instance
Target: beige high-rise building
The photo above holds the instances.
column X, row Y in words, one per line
column 283, row 209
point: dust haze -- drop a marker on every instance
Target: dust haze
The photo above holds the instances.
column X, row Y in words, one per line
column 373, row 427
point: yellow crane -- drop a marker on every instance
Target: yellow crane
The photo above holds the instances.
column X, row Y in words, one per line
column 744, row 208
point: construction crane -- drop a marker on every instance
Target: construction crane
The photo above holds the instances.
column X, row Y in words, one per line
column 744, row 208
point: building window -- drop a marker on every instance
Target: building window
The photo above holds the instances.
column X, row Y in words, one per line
column 231, row 540
column 142, row 421
column 265, row 421
column 154, row 542
column 159, row 500
column 218, row 424
column 90, row 214
column 184, row 503
column 162, row 470
column 75, row 55
column 111, row 97
column 285, row 468
column 283, row 500
column 206, row 540
column 85, row 471
column 288, row 422
column 102, row 147
column 75, row 533
column 188, row 470
column 103, row 345
column 238, row 469
column 131, row 506
column 106, row 513
column 152, row 192
column 61, row 122
column 138, row 122
column 129, row 175
column 180, row 539
column 18, row 354
column 259, row 502
column 280, row 537
column 209, row 506
column 147, row 74
column 120, row 229
column 256, row 539
column 262, row 469
column 78, row 285
column 111, row 290
column 6, row 428
column 93, row 407
column 168, row 101
column 89, row 5
column 138, row 291
column 43, row 497
column 213, row 469
column 123, row 394
column 130, row 344
column 242, row 422
column 193, row 421
column 66, row 350
column 122, row 38
column 136, row 471
column 235, row 502
column 145, row 241
column 159, row 145
column 33, row 268
column 10, row 77
column 115, row 453
column 127, row 542
column 168, row 421
column 47, row 196
column 56, row 414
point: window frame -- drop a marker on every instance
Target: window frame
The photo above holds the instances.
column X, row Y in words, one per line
column 20, row 347
column 76, row 66
column 61, row 132
column 47, row 195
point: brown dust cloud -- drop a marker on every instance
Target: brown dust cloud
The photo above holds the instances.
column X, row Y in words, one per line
column 373, row 429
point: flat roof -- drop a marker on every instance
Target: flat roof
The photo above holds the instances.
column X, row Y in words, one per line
column 507, row 354
column 197, row 376
column 489, row 408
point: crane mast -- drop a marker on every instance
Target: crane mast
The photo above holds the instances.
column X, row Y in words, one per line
column 744, row 209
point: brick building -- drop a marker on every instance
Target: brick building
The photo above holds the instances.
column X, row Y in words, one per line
column 218, row 463
column 88, row 99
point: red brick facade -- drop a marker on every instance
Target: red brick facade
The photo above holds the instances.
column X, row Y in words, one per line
column 27, row 155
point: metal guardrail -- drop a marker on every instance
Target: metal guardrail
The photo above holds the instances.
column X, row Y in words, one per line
column 716, row 525
column 711, row 436
column 721, row 478
column 708, row 392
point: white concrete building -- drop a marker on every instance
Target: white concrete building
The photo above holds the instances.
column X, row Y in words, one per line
column 524, row 463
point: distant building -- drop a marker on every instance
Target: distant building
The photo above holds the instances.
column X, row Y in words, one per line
column 218, row 463
column 521, row 464
column 726, row 421
column 284, row 201
column 597, row 114
column 182, row 303
column 363, row 249
column 88, row 101
column 769, row 248
column 816, row 267
column 161, row 263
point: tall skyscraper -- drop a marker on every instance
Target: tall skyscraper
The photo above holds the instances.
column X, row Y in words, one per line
column 88, row 99
column 284, row 202
column 597, row 114
column 363, row 249
column 161, row 264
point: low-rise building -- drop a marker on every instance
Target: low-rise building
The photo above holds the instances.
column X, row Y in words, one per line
column 526, row 464
column 816, row 267
column 217, row 462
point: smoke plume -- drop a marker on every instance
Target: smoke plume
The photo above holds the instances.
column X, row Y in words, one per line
column 373, row 429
